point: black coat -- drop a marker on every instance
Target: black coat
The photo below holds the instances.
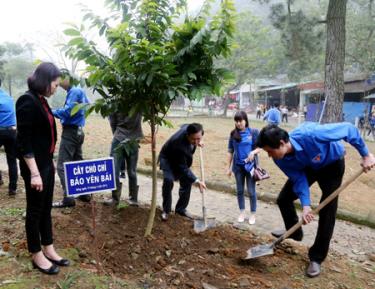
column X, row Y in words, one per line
column 178, row 153
column 33, row 131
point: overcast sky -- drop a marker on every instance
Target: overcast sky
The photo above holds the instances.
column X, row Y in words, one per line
column 27, row 20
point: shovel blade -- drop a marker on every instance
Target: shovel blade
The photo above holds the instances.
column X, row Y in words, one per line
column 259, row 251
column 200, row 226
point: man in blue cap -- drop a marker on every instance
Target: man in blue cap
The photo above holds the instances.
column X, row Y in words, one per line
column 312, row 153
column 8, row 135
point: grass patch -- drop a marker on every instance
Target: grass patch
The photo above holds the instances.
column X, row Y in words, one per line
column 12, row 212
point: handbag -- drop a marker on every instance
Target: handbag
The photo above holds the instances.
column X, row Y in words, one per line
column 259, row 173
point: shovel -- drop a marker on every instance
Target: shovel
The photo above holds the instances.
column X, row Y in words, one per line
column 268, row 249
column 201, row 225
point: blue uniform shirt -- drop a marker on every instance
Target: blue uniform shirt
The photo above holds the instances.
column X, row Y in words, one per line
column 7, row 110
column 241, row 149
column 316, row 146
column 75, row 95
column 273, row 116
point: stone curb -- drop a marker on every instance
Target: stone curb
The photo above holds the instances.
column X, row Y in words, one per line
column 270, row 198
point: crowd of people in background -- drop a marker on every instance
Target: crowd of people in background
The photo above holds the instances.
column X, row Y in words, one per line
column 310, row 153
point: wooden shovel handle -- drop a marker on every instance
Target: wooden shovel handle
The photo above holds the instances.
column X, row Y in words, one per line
column 321, row 205
column 202, row 190
column 201, row 163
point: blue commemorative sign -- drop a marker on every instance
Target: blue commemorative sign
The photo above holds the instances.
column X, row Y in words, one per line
column 89, row 176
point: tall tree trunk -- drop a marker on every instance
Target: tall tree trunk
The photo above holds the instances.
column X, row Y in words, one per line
column 151, row 217
column 10, row 85
column 334, row 63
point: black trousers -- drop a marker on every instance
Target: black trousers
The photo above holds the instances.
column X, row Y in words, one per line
column 70, row 150
column 8, row 140
column 38, row 210
column 184, row 192
column 329, row 179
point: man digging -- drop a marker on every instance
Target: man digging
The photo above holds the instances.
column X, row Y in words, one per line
column 312, row 153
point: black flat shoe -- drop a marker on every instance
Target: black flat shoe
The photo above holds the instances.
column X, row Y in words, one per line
column 63, row 204
column 62, row 262
column 53, row 270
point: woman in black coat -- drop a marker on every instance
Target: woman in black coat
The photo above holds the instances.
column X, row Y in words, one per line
column 36, row 142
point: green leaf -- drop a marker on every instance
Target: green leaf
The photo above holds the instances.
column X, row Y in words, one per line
column 192, row 75
column 72, row 32
column 77, row 107
column 76, row 41
column 149, row 79
column 171, row 94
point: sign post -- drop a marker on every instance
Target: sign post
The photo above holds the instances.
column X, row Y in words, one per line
column 88, row 177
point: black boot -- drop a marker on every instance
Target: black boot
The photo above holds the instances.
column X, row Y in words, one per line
column 133, row 196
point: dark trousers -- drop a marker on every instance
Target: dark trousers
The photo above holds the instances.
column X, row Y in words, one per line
column 329, row 179
column 130, row 157
column 184, row 191
column 284, row 117
column 38, row 210
column 8, row 140
column 70, row 150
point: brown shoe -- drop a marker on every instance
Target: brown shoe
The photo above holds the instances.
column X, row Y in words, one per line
column 313, row 270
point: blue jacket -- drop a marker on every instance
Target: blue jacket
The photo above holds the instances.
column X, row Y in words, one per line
column 75, row 95
column 273, row 116
column 7, row 110
column 316, row 146
column 241, row 149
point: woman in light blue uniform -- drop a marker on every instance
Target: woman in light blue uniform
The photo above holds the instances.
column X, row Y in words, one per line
column 241, row 157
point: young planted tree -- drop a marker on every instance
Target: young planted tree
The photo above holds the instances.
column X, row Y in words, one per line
column 156, row 54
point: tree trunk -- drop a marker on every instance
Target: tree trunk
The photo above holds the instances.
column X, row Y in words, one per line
column 151, row 217
column 10, row 85
column 334, row 63
column 226, row 100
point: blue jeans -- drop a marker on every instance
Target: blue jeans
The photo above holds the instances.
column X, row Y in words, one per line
column 241, row 175
column 120, row 156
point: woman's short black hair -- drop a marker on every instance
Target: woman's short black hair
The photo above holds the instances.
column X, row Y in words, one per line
column 194, row 128
column 239, row 116
column 271, row 135
column 44, row 74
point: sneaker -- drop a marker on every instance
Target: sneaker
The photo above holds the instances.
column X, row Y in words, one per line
column 122, row 175
column 252, row 219
column 313, row 270
column 164, row 216
column 241, row 217
column 110, row 202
